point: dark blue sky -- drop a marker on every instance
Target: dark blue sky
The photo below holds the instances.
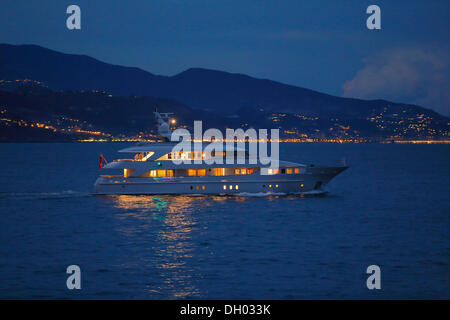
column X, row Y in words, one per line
column 321, row 45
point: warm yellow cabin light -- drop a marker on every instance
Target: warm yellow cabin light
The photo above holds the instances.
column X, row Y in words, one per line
column 270, row 186
column 152, row 173
column 219, row 171
column 224, row 187
column 296, row 170
column 236, row 187
column 196, row 187
column 201, row 172
column 302, row 185
column 169, row 173
column 236, row 171
column 269, row 171
column 192, row 172
column 289, row 170
column 231, row 187
column 173, row 121
column 243, row 171
column 203, row 187
column 276, row 186
column 161, row 173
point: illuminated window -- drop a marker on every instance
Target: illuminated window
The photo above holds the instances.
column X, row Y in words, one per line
column 236, row 171
column 243, row 171
column 269, row 171
column 192, row 172
column 169, row 173
column 219, row 171
column 161, row 173
column 203, row 187
column 276, row 186
column 224, row 187
column 270, row 186
column 296, row 171
column 231, row 187
column 196, row 187
column 302, row 185
column 201, row 172
column 249, row 171
column 128, row 172
column 152, row 173
column 289, row 170
column 236, row 187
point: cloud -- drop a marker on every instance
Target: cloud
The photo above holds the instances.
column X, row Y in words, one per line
column 409, row 75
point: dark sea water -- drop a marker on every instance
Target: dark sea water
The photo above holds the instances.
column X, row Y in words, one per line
column 391, row 208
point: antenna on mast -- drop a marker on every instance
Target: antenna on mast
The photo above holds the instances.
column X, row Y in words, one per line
column 161, row 122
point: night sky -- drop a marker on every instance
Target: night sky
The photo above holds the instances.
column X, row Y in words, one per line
column 321, row 45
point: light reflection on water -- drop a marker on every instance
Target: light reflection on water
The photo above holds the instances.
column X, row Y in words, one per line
column 167, row 223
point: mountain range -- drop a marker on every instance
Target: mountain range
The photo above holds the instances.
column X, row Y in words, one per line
column 115, row 99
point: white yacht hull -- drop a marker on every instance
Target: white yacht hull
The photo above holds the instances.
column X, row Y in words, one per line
column 312, row 180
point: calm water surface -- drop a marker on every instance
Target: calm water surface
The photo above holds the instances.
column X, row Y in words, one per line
column 391, row 208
